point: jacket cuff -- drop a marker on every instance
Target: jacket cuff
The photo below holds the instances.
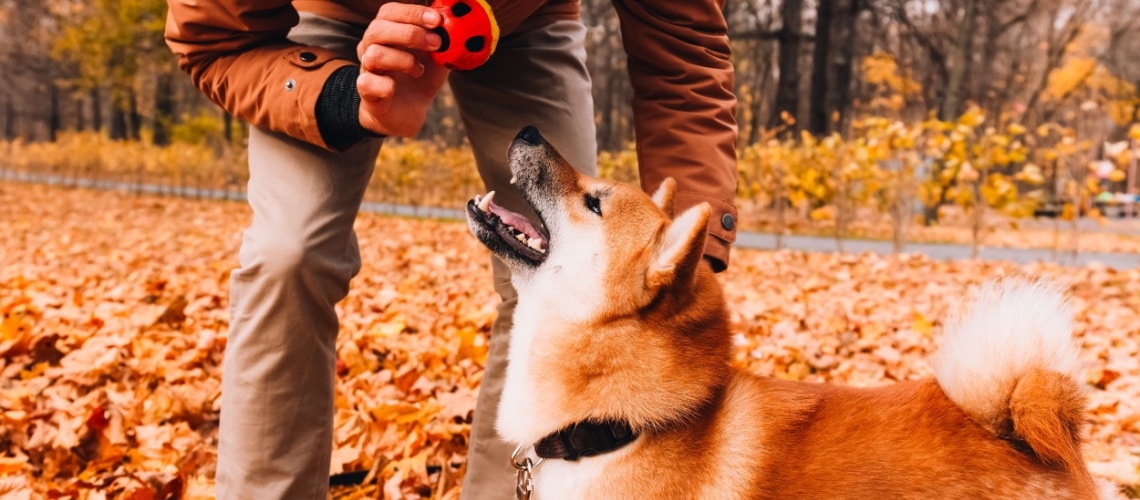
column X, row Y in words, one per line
column 722, row 225
column 338, row 110
column 716, row 252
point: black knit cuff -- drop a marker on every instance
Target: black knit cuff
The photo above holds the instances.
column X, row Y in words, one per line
column 338, row 110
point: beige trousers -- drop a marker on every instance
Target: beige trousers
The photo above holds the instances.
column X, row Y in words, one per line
column 300, row 252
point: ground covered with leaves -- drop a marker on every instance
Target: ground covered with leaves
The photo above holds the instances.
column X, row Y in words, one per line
column 115, row 312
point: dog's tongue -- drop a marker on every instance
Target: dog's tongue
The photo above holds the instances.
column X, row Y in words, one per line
column 519, row 222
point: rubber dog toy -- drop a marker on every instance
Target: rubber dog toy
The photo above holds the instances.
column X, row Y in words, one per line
column 469, row 32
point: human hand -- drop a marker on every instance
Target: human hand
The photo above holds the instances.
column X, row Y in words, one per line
column 398, row 78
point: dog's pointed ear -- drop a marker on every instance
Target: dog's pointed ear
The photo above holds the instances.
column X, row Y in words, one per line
column 681, row 248
column 664, row 196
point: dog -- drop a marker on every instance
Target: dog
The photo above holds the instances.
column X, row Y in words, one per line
column 619, row 376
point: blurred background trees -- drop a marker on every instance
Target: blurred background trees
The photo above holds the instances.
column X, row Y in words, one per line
column 1023, row 107
column 801, row 65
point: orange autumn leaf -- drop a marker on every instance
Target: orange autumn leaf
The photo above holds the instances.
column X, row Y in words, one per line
column 921, row 324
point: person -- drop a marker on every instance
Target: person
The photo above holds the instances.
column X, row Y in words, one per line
column 321, row 84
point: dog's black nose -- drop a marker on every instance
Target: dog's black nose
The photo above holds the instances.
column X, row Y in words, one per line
column 530, row 134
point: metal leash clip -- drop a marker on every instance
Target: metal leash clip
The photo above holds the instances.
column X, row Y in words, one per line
column 524, row 484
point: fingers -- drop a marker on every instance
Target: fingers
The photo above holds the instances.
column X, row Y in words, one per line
column 407, row 13
column 394, row 45
column 405, row 26
column 406, row 36
column 373, row 87
column 381, row 59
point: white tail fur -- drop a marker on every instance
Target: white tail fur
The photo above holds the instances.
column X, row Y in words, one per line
column 1013, row 327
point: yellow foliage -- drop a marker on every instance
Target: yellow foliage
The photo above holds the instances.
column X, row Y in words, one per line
column 999, row 192
column 967, row 173
column 198, row 129
column 95, row 155
column 970, row 163
column 1092, row 185
column 823, row 213
column 1030, row 174
column 882, row 71
column 963, row 197
column 1068, row 212
column 1082, row 77
column 621, row 166
column 1122, row 111
column 964, row 161
column 929, row 193
column 973, row 117
column 1067, row 78
column 424, row 173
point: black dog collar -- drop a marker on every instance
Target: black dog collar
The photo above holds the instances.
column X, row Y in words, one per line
column 585, row 439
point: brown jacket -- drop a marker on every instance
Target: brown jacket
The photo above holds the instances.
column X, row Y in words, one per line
column 236, row 52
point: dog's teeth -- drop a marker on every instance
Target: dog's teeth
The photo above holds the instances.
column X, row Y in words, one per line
column 478, row 198
column 537, row 244
column 514, row 179
column 485, row 203
column 521, row 237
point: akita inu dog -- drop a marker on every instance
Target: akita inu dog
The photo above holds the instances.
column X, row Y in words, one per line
column 619, row 374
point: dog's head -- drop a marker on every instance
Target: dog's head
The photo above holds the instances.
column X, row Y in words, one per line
column 618, row 317
column 614, row 238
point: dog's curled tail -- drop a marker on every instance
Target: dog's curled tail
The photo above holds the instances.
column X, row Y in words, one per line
column 1011, row 364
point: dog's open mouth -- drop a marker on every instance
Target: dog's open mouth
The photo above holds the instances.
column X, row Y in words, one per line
column 513, row 232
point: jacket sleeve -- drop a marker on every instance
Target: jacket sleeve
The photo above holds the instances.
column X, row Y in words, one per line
column 684, row 108
column 237, row 54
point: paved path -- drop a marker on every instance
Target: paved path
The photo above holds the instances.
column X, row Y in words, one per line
column 941, row 251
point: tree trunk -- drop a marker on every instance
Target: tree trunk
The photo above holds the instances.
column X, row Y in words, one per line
column 758, row 81
column 607, row 126
column 135, row 119
column 163, row 108
column 80, row 115
column 960, row 61
column 118, row 123
column 1055, row 53
column 9, row 119
column 1002, row 98
column 983, row 87
column 844, row 62
column 228, row 127
column 96, row 110
column 820, row 115
column 788, row 88
column 53, row 116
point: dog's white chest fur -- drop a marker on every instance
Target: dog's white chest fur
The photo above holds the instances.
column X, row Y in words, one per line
column 518, row 420
column 562, row 479
column 564, row 292
column 529, row 410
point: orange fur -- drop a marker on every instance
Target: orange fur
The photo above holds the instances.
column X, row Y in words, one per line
column 657, row 355
column 1046, row 411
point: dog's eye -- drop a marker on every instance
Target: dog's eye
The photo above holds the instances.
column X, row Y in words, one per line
column 594, row 204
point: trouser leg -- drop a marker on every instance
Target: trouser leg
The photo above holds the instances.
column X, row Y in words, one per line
column 536, row 78
column 296, row 260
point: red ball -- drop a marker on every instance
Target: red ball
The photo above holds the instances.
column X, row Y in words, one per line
column 469, row 33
